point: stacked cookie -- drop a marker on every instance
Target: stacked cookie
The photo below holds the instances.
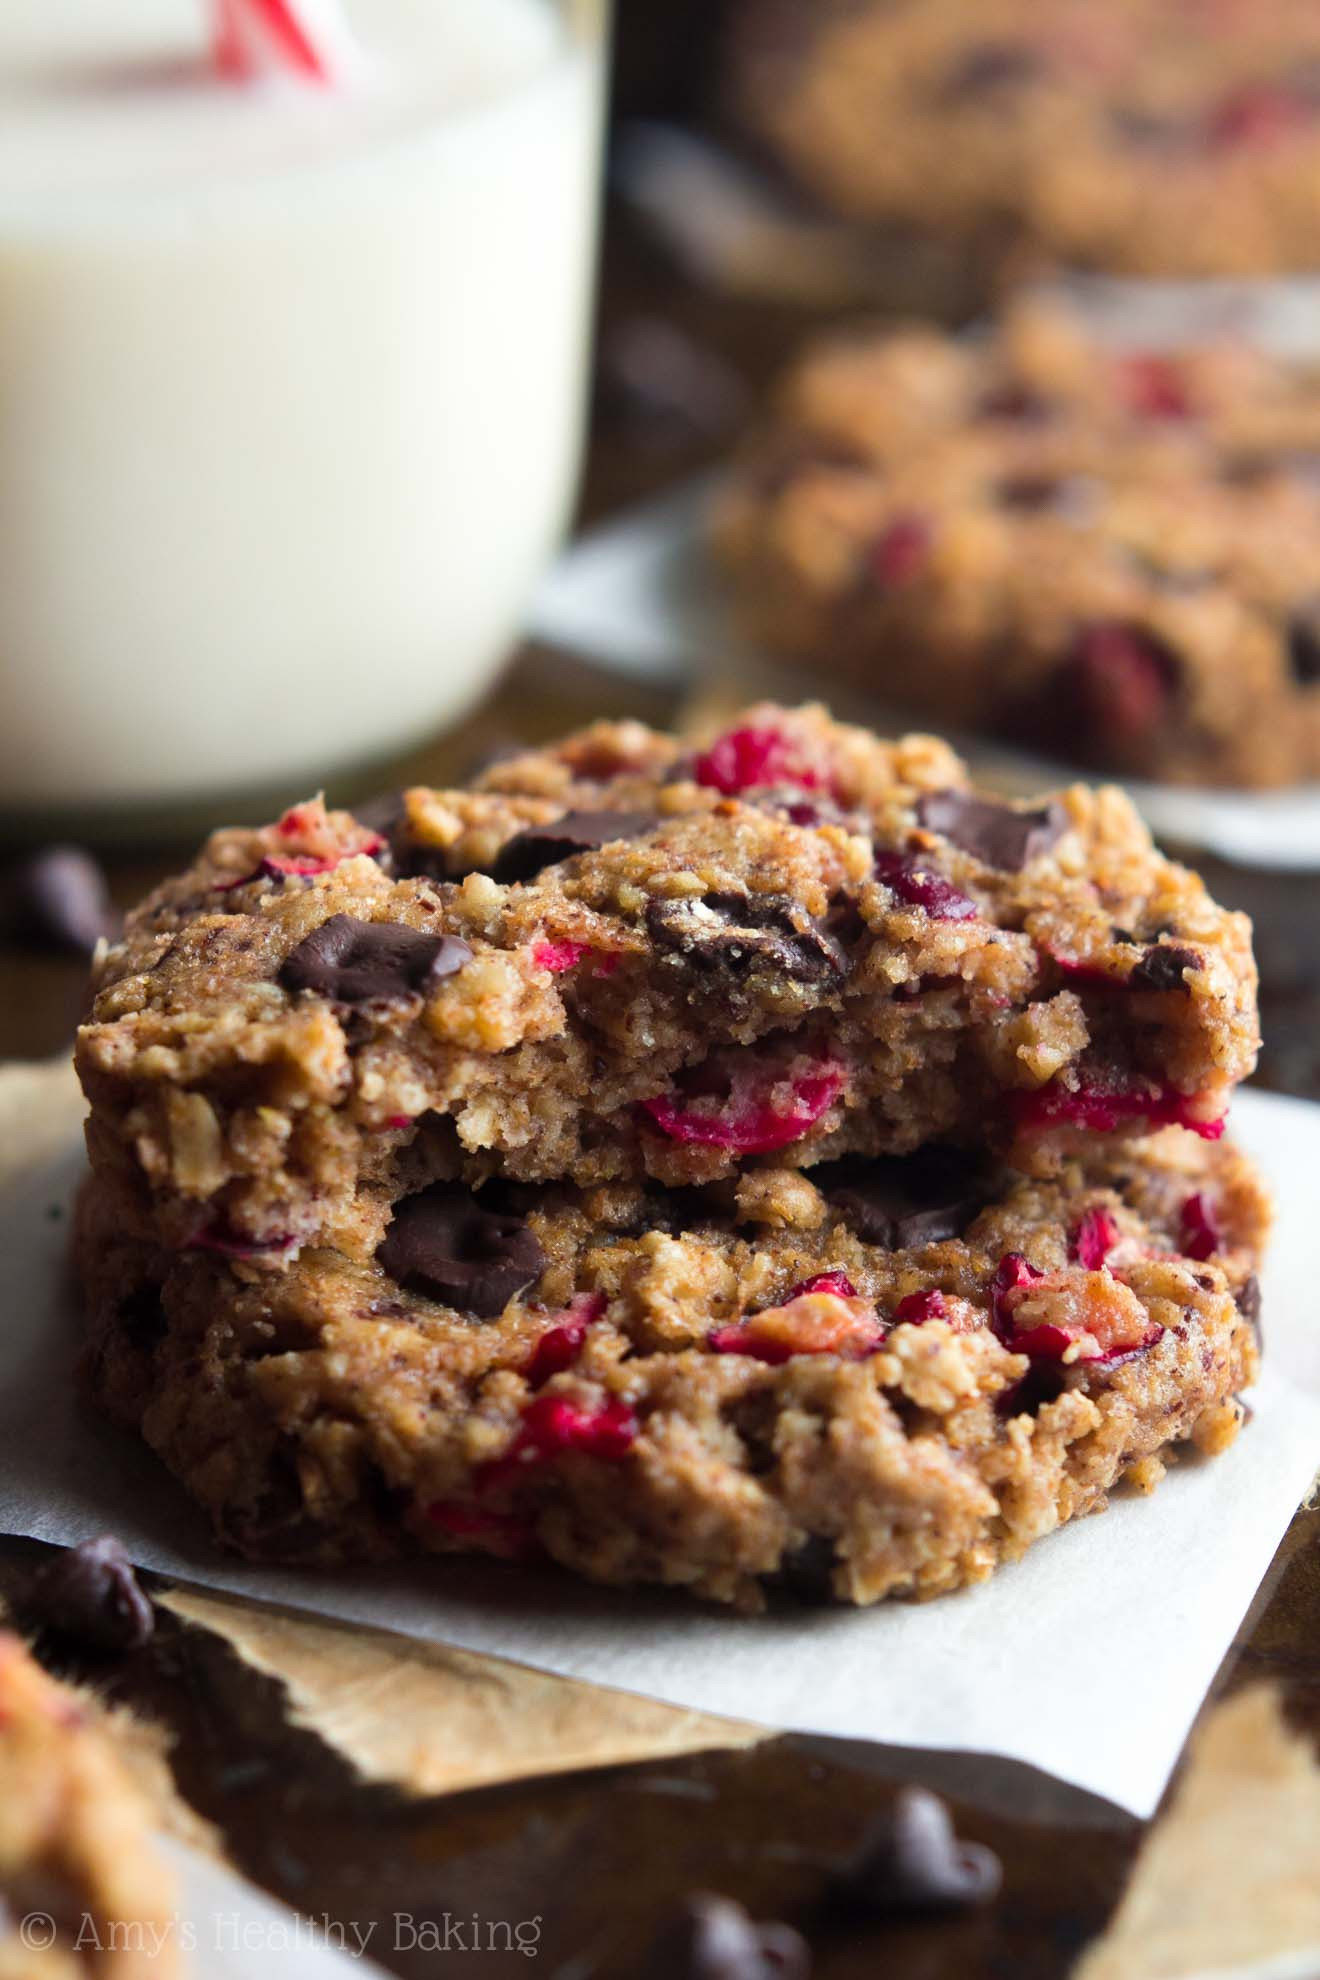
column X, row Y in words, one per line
column 758, row 1164
column 1174, row 137
column 1111, row 555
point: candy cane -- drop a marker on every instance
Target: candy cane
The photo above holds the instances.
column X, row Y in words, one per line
column 303, row 39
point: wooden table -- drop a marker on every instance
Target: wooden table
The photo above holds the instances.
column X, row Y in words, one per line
column 598, row 1857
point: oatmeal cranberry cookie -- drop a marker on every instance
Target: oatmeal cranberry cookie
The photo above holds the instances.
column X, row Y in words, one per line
column 880, row 1377
column 75, row 1840
column 622, row 956
column 1154, row 137
column 1116, row 556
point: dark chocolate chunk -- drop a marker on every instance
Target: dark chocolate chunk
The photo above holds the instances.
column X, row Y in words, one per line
column 367, row 962
column 443, row 1242
column 903, row 1200
column 1162, row 966
column 994, row 833
column 91, row 1596
column 713, row 1938
column 1016, row 400
column 739, row 932
column 528, row 852
column 1304, row 645
column 1248, row 1304
column 805, row 1577
column 989, row 68
column 57, row 899
column 910, row 1860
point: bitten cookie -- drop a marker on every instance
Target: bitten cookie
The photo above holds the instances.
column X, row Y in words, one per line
column 1115, row 556
column 1154, row 137
column 879, row 1378
column 624, row 957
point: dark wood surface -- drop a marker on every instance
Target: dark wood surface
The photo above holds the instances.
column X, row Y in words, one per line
column 597, row 1858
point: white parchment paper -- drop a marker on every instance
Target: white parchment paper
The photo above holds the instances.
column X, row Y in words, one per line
column 640, row 597
column 1087, row 1660
column 229, row 1930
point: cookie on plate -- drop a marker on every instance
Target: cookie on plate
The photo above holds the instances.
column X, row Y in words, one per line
column 879, row 1377
column 1152, row 137
column 623, row 956
column 77, row 1862
column 1111, row 555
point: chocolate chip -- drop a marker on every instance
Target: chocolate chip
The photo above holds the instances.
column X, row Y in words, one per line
column 1016, row 400
column 443, row 1242
column 367, row 962
column 1162, row 967
column 994, row 833
column 805, row 1576
column 991, row 67
column 740, row 932
column 91, row 1595
column 528, row 852
column 899, row 1201
column 1248, row 1304
column 57, row 899
column 713, row 1938
column 1304, row 645
column 911, row 1861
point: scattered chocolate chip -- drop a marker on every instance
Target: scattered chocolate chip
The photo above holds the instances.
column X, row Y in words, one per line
column 904, row 1200
column 90, row 1595
column 1162, row 967
column 738, row 932
column 57, row 899
column 1248, row 1304
column 1304, row 645
column 539, row 846
column 806, row 1576
column 994, row 833
column 911, row 1861
column 443, row 1242
column 367, row 962
column 713, row 1938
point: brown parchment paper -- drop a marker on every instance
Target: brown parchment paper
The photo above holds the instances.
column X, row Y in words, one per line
column 1229, row 1881
column 433, row 1720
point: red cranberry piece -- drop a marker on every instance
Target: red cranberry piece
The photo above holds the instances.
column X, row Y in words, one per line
column 1012, row 1273
column 1093, row 1240
column 217, row 1236
column 1201, row 1235
column 1106, row 1105
column 727, row 1103
column 1257, row 114
column 559, row 956
column 551, row 1426
column 752, row 758
column 398, row 1121
column 560, row 1345
column 1154, row 386
column 1126, row 677
column 1115, row 1355
column 918, row 886
column 825, row 1282
column 916, row 1308
column 900, row 551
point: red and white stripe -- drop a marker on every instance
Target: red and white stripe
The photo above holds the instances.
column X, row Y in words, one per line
column 305, row 40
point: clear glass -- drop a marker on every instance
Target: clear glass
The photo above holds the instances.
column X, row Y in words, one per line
column 289, row 429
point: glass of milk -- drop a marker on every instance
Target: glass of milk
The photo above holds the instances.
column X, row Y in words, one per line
column 291, row 386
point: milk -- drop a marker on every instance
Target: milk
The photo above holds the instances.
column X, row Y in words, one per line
column 290, row 385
